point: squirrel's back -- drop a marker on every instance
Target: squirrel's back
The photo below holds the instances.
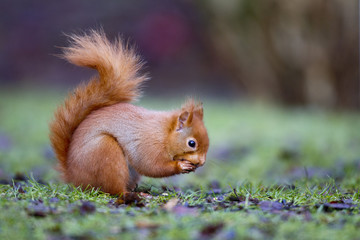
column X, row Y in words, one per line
column 118, row 81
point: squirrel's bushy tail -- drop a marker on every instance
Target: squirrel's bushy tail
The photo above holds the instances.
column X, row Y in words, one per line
column 118, row 81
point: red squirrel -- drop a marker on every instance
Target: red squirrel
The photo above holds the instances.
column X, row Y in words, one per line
column 103, row 141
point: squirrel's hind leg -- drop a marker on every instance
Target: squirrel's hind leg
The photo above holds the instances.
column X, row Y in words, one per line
column 102, row 166
column 112, row 175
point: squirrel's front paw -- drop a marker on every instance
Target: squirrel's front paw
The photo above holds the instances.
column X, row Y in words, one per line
column 186, row 166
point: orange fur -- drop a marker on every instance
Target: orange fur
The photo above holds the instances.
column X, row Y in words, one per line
column 107, row 174
column 103, row 141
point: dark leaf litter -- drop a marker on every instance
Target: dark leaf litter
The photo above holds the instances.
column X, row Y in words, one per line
column 87, row 207
column 215, row 199
column 37, row 208
column 211, row 230
column 132, row 198
column 345, row 204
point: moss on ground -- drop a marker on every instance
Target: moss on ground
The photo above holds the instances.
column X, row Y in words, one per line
column 271, row 173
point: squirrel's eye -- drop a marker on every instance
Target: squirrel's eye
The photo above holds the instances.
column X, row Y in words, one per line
column 191, row 143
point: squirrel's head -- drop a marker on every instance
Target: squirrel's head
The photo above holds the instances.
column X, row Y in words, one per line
column 188, row 136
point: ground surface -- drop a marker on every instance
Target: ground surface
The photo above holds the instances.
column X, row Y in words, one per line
column 270, row 174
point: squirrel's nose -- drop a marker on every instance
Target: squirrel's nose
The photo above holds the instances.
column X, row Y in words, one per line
column 202, row 159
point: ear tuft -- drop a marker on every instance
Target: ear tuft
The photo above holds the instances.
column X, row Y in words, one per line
column 199, row 110
column 193, row 106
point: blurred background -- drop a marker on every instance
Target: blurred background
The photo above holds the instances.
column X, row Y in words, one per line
column 301, row 54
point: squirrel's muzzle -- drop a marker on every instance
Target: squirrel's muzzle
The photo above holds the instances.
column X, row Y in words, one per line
column 196, row 158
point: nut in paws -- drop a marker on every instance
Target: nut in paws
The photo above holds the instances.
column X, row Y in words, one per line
column 187, row 166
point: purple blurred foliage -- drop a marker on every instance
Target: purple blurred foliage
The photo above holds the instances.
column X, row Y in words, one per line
column 298, row 53
column 166, row 34
column 5, row 142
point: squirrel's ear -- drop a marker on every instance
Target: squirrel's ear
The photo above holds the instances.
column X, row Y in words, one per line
column 184, row 119
column 199, row 111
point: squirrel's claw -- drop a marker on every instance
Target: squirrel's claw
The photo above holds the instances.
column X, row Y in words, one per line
column 186, row 166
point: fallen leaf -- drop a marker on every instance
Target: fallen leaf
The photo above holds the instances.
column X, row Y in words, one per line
column 236, row 197
column 130, row 198
column 254, row 200
column 269, row 206
column 21, row 190
column 87, row 207
column 19, row 177
column 169, row 206
column 146, row 224
column 328, row 207
column 211, row 229
column 38, row 209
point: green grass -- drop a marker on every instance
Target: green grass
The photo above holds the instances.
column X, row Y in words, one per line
column 306, row 159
